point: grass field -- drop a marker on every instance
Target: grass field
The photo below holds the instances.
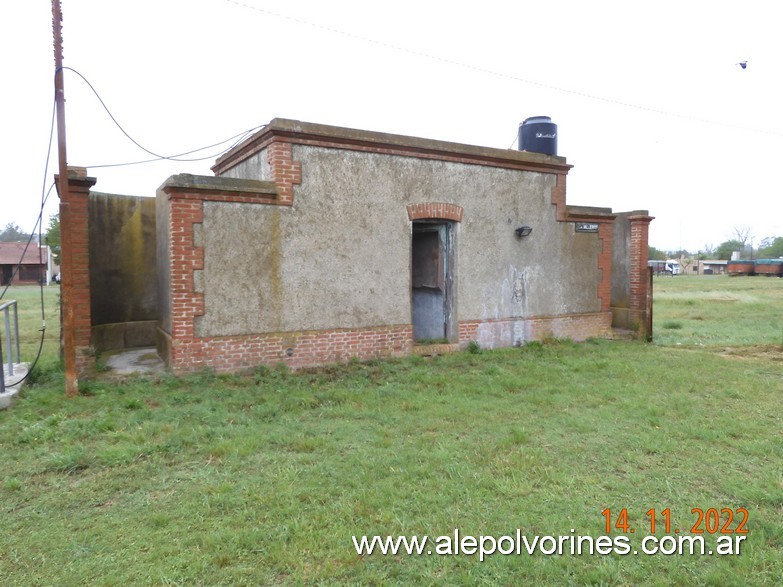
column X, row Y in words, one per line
column 263, row 479
column 717, row 311
column 31, row 321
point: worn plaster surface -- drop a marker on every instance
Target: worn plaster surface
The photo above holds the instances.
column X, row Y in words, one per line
column 340, row 257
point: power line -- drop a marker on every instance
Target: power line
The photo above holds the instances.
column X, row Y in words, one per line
column 495, row 73
column 237, row 138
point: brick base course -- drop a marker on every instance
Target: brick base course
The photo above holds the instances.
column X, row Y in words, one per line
column 313, row 348
column 516, row 331
column 295, row 349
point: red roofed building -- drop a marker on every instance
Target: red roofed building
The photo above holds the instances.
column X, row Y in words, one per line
column 24, row 267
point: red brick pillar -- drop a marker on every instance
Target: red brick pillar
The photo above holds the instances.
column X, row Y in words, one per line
column 285, row 171
column 75, row 273
column 640, row 226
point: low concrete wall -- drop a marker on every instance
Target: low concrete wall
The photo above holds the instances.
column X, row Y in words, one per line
column 621, row 271
column 124, row 335
column 630, row 289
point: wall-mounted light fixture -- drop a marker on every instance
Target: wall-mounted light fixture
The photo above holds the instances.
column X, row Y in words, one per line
column 523, row 231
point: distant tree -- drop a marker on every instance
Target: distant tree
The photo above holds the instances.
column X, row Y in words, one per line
column 707, row 251
column 654, row 254
column 53, row 237
column 725, row 249
column 771, row 247
column 12, row 233
column 743, row 234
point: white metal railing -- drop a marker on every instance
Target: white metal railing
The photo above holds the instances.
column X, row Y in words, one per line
column 11, row 340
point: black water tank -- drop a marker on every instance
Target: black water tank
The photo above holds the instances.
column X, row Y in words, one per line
column 538, row 134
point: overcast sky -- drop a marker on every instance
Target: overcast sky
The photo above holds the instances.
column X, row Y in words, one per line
column 652, row 108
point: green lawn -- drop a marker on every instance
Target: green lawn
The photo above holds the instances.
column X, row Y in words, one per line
column 716, row 310
column 263, row 479
column 31, row 321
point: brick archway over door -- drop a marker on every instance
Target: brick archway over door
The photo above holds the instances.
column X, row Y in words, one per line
column 434, row 211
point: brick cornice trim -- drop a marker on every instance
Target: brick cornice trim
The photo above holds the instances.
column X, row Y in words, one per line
column 319, row 135
column 434, row 210
column 220, row 189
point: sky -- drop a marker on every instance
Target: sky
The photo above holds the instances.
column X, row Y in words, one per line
column 653, row 110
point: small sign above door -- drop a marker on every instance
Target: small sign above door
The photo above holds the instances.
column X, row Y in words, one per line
column 586, row 227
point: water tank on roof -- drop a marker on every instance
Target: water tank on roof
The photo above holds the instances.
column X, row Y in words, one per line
column 538, row 134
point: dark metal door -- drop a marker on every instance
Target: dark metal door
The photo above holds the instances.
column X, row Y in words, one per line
column 430, row 295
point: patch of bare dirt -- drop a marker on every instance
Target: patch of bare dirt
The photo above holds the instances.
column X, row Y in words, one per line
column 769, row 352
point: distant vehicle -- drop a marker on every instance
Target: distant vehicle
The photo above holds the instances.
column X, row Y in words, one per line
column 667, row 267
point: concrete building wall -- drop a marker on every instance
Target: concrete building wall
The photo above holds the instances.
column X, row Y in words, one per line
column 630, row 294
column 300, row 251
column 123, row 259
column 340, row 256
column 256, row 167
column 123, row 271
column 163, row 255
column 621, row 271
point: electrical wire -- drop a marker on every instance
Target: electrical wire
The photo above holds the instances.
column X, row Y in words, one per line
column 237, row 138
column 39, row 226
column 44, row 198
column 500, row 74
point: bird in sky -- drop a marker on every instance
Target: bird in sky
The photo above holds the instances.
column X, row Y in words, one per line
column 743, row 64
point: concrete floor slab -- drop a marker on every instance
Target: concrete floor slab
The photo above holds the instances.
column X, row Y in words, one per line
column 13, row 383
column 132, row 361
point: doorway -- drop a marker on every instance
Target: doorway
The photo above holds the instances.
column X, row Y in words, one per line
column 432, row 298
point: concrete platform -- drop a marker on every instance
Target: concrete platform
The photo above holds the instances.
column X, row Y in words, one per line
column 13, row 383
column 132, row 361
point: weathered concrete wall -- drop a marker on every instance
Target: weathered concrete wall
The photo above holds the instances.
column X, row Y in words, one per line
column 630, row 289
column 340, row 256
column 123, row 270
column 163, row 252
column 256, row 167
column 621, row 261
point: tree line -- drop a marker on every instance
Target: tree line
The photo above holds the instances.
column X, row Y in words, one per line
column 742, row 240
column 12, row 233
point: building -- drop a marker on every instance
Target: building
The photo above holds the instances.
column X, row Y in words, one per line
column 23, row 264
column 316, row 244
column 711, row 267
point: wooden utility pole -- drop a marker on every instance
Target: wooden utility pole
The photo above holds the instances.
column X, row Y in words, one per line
column 66, row 258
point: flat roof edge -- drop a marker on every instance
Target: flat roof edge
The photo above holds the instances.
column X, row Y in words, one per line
column 226, row 184
column 339, row 137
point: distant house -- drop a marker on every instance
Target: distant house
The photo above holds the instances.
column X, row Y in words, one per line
column 24, row 267
column 712, row 267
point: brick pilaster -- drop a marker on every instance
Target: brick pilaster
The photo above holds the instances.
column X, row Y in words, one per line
column 285, row 171
column 186, row 258
column 640, row 226
column 75, row 254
